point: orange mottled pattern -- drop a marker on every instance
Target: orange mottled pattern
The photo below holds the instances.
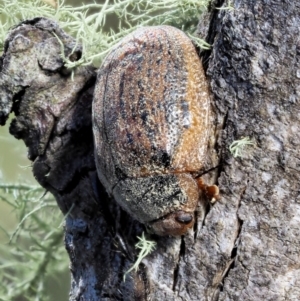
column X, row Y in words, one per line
column 155, row 104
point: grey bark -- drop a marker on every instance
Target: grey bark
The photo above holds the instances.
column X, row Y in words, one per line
column 246, row 246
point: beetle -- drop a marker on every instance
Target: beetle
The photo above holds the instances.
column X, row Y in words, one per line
column 151, row 125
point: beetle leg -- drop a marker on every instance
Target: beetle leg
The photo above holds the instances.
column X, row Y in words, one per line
column 211, row 192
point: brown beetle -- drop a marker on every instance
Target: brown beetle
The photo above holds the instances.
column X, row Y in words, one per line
column 151, row 119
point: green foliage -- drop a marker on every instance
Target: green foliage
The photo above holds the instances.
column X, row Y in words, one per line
column 34, row 250
column 88, row 23
column 146, row 247
column 237, row 147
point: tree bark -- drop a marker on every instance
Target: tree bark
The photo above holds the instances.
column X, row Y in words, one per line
column 245, row 247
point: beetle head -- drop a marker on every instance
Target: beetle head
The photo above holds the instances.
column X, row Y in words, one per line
column 174, row 224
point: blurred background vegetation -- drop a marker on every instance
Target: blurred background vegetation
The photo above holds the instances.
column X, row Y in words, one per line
column 33, row 262
column 25, row 243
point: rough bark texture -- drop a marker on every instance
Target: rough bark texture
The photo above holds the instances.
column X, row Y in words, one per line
column 246, row 246
column 254, row 74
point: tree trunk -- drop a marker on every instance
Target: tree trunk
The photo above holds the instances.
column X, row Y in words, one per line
column 245, row 246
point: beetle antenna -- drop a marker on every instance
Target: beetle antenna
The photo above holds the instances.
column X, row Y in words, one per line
column 207, row 171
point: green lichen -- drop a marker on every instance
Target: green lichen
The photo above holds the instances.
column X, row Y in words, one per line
column 88, row 24
column 237, row 147
column 229, row 6
column 34, row 251
column 146, row 247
